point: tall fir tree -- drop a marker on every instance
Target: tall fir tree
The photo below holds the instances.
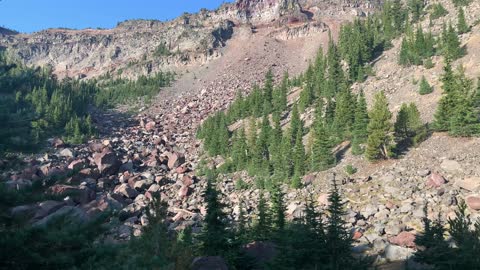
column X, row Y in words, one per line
column 299, row 154
column 380, row 141
column 262, row 224
column 360, row 132
column 462, row 26
column 338, row 238
column 214, row 238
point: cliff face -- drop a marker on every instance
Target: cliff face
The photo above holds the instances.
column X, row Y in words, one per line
column 144, row 46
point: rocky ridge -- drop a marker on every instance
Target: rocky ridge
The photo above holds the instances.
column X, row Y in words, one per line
column 146, row 46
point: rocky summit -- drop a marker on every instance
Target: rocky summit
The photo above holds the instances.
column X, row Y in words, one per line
column 304, row 134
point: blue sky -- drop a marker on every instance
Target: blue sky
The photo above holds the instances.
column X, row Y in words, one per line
column 35, row 15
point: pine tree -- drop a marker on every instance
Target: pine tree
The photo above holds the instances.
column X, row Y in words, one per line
column 462, row 26
column 404, row 57
column 299, row 154
column 338, row 238
column 286, row 168
column 214, row 236
column 360, row 133
column 275, row 147
column 280, row 97
column 451, row 49
column 446, row 104
column 295, row 124
column 263, row 142
column 379, row 140
column 344, row 115
column 315, row 242
column 321, row 156
column 278, row 209
column 262, row 225
column 268, row 90
column 408, row 123
column 239, row 149
column 425, row 88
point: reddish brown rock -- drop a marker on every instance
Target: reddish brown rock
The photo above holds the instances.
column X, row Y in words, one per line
column 435, row 180
column 96, row 147
column 357, row 235
column 107, row 162
column 175, row 160
column 81, row 195
column 473, row 202
column 187, row 180
column 404, row 239
column 126, row 191
column 76, row 165
column 183, row 192
column 181, row 169
column 150, row 126
column 58, row 143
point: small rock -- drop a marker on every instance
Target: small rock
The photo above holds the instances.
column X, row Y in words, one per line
column 126, row 191
column 470, row 183
column 404, row 239
column 473, row 202
column 451, row 166
column 435, row 180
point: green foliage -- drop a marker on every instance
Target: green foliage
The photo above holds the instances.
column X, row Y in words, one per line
column 121, row 91
column 450, row 44
column 416, row 8
column 462, row 26
column 350, row 169
column 460, row 3
column 338, row 237
column 439, row 253
column 214, row 238
column 457, row 110
column 360, row 125
column 416, row 48
column 241, row 185
column 379, row 140
column 438, row 11
column 425, row 87
column 161, row 50
column 409, row 129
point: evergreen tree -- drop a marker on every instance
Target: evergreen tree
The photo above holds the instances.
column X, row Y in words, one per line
column 360, row 132
column 280, row 95
column 451, row 49
column 286, row 168
column 299, row 154
column 263, row 143
column 321, row 156
column 344, row 115
column 338, row 238
column 408, row 123
column 275, row 148
column 462, row 26
column 315, row 242
column 262, row 225
column 425, row 88
column 278, row 209
column 214, row 237
column 446, row 104
column 379, row 140
column 295, row 124
column 404, row 57
column 239, row 149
